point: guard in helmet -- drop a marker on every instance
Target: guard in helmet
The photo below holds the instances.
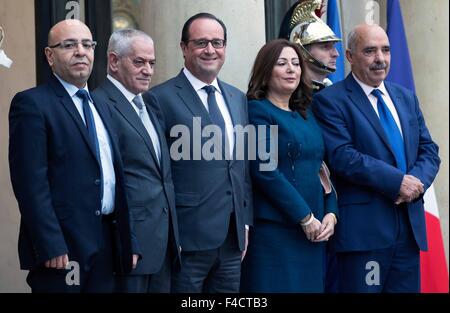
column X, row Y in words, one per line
column 302, row 26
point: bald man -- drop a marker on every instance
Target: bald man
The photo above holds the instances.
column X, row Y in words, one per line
column 383, row 160
column 67, row 177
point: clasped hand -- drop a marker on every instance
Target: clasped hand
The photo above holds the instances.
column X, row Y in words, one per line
column 318, row 231
column 410, row 189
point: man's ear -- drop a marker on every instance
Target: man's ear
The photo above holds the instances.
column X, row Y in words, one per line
column 183, row 47
column 49, row 55
column 113, row 62
column 349, row 56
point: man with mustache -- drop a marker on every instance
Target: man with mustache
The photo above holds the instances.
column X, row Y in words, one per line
column 67, row 175
column 382, row 159
column 213, row 197
column 146, row 160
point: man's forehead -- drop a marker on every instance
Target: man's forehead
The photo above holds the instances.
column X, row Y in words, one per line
column 142, row 48
column 77, row 32
column 374, row 45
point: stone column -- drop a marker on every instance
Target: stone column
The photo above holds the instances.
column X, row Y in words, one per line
column 163, row 20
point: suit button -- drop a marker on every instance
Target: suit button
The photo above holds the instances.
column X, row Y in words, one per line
column 229, row 193
column 98, row 213
column 165, row 210
column 97, row 182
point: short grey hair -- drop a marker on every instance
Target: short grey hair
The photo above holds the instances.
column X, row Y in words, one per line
column 121, row 40
column 352, row 40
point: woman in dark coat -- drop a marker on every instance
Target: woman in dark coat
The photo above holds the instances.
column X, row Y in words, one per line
column 294, row 216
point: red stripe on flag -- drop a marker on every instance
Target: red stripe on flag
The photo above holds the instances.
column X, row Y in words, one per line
column 433, row 267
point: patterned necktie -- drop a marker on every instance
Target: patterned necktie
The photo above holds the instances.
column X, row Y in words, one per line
column 214, row 112
column 89, row 120
column 391, row 129
column 145, row 119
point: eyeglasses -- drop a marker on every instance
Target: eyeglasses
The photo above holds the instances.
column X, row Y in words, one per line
column 73, row 44
column 202, row 43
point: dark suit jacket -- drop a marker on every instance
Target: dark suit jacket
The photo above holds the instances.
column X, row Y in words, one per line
column 149, row 186
column 57, row 181
column 365, row 173
column 206, row 191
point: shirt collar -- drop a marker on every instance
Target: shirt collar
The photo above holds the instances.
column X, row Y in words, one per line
column 197, row 83
column 368, row 89
column 129, row 95
column 72, row 89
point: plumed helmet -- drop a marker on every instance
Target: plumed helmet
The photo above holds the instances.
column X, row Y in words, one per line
column 307, row 28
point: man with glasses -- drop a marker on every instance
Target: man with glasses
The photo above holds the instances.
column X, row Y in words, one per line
column 146, row 160
column 213, row 197
column 67, row 176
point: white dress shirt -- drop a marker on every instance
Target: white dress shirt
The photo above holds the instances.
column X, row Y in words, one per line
column 151, row 128
column 198, row 85
column 373, row 100
column 109, row 176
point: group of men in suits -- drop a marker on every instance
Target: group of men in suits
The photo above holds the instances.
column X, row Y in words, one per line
column 92, row 171
column 96, row 184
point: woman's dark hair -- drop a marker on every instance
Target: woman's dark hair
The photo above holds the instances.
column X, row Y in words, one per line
column 262, row 72
column 187, row 24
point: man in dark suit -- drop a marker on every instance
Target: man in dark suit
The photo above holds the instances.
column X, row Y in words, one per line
column 146, row 160
column 67, row 175
column 213, row 196
column 383, row 159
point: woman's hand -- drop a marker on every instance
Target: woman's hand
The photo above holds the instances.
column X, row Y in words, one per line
column 327, row 228
column 312, row 227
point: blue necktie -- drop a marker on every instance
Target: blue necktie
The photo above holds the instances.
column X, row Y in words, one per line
column 90, row 125
column 89, row 120
column 391, row 130
column 214, row 112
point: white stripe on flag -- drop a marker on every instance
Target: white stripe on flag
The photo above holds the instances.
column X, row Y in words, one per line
column 430, row 202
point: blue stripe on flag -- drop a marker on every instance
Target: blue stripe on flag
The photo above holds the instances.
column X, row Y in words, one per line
column 334, row 22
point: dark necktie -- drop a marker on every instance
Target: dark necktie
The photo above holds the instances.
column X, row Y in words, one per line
column 391, row 130
column 214, row 113
column 89, row 120
column 90, row 125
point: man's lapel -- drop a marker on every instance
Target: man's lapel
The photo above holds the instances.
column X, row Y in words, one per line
column 123, row 106
column 68, row 104
column 361, row 101
column 191, row 100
